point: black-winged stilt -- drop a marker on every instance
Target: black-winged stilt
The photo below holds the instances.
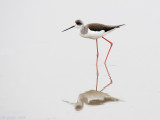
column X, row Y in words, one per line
column 95, row 31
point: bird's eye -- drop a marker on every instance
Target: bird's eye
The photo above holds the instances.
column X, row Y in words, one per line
column 78, row 22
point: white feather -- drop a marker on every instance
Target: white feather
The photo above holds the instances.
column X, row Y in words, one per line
column 95, row 34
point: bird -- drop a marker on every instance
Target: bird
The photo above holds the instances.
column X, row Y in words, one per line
column 95, row 31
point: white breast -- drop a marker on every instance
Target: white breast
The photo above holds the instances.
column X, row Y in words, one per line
column 93, row 34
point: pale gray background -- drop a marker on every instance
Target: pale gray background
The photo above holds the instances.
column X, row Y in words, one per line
column 40, row 66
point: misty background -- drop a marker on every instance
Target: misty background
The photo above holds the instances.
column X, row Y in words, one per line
column 40, row 66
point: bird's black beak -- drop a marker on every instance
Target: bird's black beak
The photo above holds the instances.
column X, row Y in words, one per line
column 69, row 28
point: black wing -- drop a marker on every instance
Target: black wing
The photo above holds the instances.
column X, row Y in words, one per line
column 99, row 27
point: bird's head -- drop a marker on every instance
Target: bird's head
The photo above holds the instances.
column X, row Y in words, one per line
column 78, row 24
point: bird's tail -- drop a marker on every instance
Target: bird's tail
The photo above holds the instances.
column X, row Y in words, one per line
column 119, row 25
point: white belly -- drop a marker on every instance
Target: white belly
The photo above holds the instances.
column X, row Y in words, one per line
column 95, row 34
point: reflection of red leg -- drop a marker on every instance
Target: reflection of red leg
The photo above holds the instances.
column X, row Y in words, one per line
column 97, row 63
column 109, row 78
column 105, row 63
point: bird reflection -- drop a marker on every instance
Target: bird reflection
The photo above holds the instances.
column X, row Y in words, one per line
column 92, row 97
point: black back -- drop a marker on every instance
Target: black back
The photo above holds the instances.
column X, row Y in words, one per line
column 99, row 27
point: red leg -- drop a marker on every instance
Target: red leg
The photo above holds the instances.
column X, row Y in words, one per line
column 105, row 63
column 97, row 63
column 109, row 49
